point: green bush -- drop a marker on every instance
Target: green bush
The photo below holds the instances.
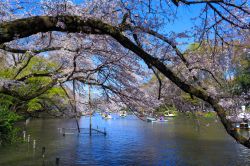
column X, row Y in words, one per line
column 209, row 115
column 166, row 109
column 8, row 133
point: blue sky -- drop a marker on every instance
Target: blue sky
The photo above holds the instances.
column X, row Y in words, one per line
column 181, row 23
column 184, row 16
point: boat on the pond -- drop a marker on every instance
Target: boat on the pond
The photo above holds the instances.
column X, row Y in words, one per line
column 161, row 120
column 243, row 125
column 150, row 119
column 123, row 114
column 242, row 120
column 170, row 115
column 106, row 116
column 154, row 120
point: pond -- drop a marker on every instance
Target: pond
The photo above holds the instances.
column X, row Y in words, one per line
column 129, row 141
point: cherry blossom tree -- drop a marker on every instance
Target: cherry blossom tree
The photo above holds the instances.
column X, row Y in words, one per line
column 103, row 43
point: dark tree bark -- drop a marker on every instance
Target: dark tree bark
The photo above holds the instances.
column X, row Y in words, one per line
column 21, row 28
column 9, row 87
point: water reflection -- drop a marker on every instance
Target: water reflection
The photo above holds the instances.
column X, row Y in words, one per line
column 129, row 142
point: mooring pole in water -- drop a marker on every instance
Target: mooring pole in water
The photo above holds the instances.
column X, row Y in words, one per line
column 60, row 130
column 28, row 139
column 43, row 152
column 63, row 131
column 105, row 133
column 27, row 121
column 78, row 127
column 90, row 116
column 75, row 109
column 57, row 161
column 90, row 126
column 34, row 144
column 24, row 135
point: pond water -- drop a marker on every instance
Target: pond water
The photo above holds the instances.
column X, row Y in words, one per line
column 129, row 141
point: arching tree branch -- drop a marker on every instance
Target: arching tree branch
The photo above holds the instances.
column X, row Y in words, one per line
column 20, row 28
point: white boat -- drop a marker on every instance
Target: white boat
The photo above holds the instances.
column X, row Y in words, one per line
column 160, row 121
column 170, row 115
column 242, row 125
column 150, row 119
column 106, row 116
column 123, row 114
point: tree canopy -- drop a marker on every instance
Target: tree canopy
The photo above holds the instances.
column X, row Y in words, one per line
column 104, row 44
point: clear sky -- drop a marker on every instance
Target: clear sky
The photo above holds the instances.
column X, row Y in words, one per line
column 182, row 22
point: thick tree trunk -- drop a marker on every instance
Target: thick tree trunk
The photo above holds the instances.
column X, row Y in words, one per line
column 21, row 28
column 10, row 87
